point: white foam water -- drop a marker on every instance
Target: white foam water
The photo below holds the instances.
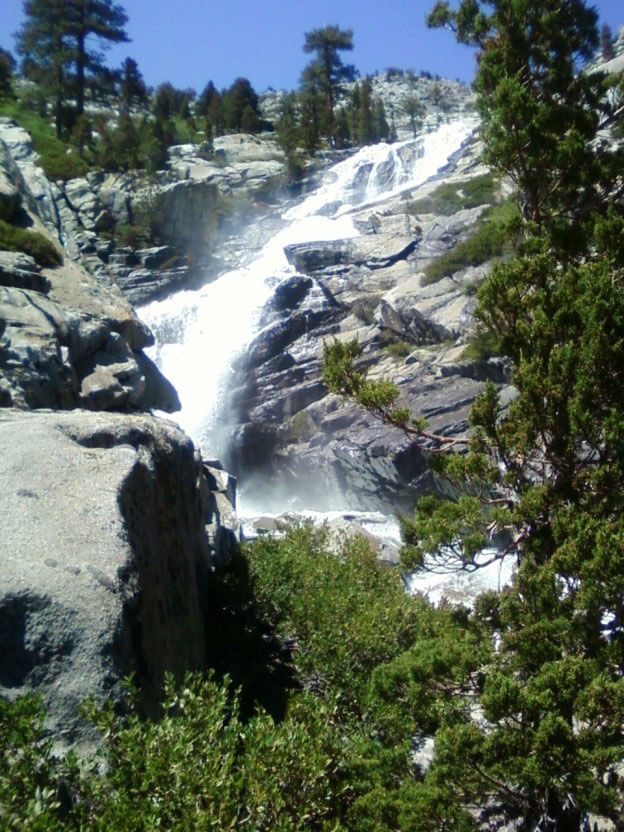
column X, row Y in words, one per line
column 198, row 333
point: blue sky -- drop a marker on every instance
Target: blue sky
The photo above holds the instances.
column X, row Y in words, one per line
column 190, row 42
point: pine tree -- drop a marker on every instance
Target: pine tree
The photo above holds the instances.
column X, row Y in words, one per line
column 93, row 19
column 342, row 128
column 365, row 131
column 380, row 123
column 54, row 43
column 44, row 44
column 7, row 65
column 327, row 70
column 414, row 109
column 240, row 107
column 288, row 136
column 310, row 120
column 354, row 109
column 132, row 89
column 541, row 117
column 210, row 105
column 606, row 43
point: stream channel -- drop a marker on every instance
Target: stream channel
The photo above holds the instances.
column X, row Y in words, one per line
column 200, row 332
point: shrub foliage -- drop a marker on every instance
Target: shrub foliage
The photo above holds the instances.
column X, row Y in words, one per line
column 43, row 250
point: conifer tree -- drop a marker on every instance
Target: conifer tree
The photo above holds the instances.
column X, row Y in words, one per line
column 540, row 115
column 288, row 135
column 414, row 109
column 132, row 89
column 240, row 107
column 55, row 45
column 327, row 70
column 365, row 129
column 380, row 123
column 99, row 20
column 310, row 119
column 606, row 43
column 210, row 105
column 44, row 44
column 7, row 65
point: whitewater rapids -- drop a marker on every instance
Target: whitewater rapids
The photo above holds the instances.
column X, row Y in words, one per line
column 198, row 333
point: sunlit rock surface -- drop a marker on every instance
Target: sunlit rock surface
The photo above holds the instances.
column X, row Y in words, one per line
column 102, row 523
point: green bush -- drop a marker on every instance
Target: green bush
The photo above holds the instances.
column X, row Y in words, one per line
column 58, row 159
column 365, row 668
column 132, row 235
column 493, row 237
column 481, row 346
column 301, row 425
column 30, row 242
column 399, row 349
column 29, row 774
column 201, row 767
column 451, row 197
column 346, row 613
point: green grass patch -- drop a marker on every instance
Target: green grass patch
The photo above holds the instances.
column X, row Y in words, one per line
column 58, row 159
column 450, row 197
column 494, row 237
column 301, row 425
column 399, row 349
column 30, row 242
column 132, row 235
column 481, row 346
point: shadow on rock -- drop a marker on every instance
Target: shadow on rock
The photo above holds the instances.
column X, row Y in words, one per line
column 242, row 644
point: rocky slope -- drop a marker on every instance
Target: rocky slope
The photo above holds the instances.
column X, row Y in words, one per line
column 301, row 440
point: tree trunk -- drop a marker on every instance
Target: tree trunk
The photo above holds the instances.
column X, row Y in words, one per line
column 80, row 63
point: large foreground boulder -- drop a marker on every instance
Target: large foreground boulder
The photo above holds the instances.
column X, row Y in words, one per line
column 103, row 554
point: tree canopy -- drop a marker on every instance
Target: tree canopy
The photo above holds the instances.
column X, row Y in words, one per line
column 7, row 65
column 57, row 46
column 325, row 73
column 240, row 107
column 132, row 89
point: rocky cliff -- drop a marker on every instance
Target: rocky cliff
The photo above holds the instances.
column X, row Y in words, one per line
column 302, row 440
column 109, row 518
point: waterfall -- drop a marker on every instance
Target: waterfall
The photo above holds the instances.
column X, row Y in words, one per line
column 199, row 332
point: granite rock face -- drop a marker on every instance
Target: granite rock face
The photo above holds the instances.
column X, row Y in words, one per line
column 104, row 555
column 191, row 205
column 68, row 338
column 294, row 437
column 59, row 328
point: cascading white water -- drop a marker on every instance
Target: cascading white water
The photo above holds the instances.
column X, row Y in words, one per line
column 199, row 332
column 379, row 172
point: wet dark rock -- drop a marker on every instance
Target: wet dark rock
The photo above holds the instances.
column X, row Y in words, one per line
column 144, row 285
column 277, row 336
column 290, row 293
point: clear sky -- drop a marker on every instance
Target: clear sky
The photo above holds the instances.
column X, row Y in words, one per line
column 190, row 42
